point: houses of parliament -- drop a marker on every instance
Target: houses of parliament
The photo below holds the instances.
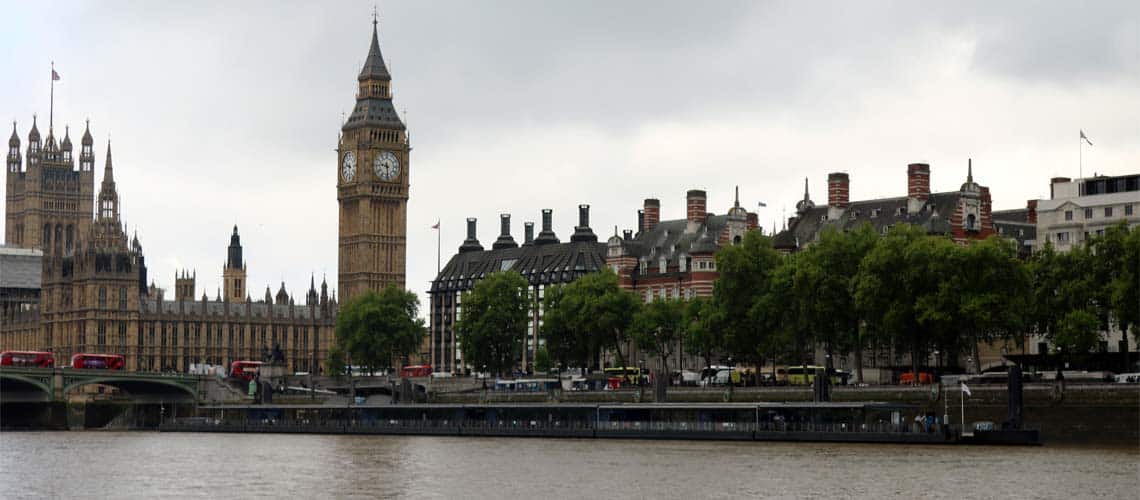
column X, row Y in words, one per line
column 73, row 281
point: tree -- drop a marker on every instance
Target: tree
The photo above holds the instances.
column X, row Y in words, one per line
column 1061, row 284
column 588, row 315
column 494, row 320
column 828, row 281
column 990, row 293
column 744, row 279
column 542, row 360
column 336, row 361
column 656, row 329
column 704, row 329
column 1124, row 288
column 379, row 329
column 897, row 289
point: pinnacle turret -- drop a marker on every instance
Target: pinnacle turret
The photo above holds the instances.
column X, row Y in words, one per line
column 66, row 144
column 87, row 141
column 14, row 141
column 34, row 134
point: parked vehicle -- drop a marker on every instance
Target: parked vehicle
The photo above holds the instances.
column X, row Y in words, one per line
column 923, row 378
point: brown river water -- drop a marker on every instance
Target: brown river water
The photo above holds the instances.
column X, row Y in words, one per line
column 227, row 466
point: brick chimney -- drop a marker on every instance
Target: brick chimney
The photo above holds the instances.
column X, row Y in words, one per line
column 695, row 209
column 528, row 233
column 652, row 210
column 917, row 186
column 838, row 185
column 753, row 220
column 1031, row 217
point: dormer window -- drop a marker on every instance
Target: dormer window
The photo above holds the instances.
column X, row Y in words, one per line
column 663, row 265
column 901, row 212
column 875, row 212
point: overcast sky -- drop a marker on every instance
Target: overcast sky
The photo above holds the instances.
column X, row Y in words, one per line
column 228, row 113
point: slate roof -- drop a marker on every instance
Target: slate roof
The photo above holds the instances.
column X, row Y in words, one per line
column 20, row 268
column 669, row 239
column 374, row 66
column 539, row 264
column 374, row 112
column 881, row 213
column 1015, row 224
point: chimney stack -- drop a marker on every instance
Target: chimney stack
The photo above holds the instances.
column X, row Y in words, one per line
column 505, row 240
column 838, row 190
column 627, row 234
column 695, row 201
column 471, row 244
column 753, row 220
column 547, row 234
column 583, row 232
column 918, row 181
column 652, row 212
column 640, row 221
column 1031, row 217
column 528, row 233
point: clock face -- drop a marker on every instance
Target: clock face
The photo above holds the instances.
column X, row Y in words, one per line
column 348, row 169
column 386, row 166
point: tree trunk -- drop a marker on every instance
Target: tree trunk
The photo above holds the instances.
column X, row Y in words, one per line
column 858, row 365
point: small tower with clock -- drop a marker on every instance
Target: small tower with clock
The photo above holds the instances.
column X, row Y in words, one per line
column 372, row 184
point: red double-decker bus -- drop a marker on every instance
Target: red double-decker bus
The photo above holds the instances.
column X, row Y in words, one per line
column 415, row 371
column 31, row 359
column 245, row 370
column 83, row 361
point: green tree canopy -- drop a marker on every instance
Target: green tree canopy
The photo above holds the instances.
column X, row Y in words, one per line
column 704, row 329
column 378, row 329
column 745, row 272
column 493, row 322
column 657, row 328
column 587, row 315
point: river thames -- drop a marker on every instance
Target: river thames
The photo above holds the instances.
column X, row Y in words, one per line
column 177, row 465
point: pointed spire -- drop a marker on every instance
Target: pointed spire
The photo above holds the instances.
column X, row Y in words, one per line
column 108, row 171
column 969, row 170
column 14, row 141
column 736, row 203
column 34, row 134
column 374, row 65
column 66, row 144
column 87, row 141
column 806, row 197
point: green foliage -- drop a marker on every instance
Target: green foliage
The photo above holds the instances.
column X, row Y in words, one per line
column 588, row 315
column 378, row 329
column 1124, row 289
column 1077, row 332
column 658, row 326
column 493, row 322
column 745, row 272
column 704, row 328
column 335, row 361
column 542, row 360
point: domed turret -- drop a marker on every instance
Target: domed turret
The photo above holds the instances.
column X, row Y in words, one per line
column 86, row 140
column 970, row 186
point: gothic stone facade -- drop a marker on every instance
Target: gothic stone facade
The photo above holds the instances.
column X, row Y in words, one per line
column 372, row 185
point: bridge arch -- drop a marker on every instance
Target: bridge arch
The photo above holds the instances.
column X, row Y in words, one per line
column 135, row 386
column 26, row 380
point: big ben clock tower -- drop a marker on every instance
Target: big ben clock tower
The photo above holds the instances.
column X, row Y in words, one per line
column 372, row 185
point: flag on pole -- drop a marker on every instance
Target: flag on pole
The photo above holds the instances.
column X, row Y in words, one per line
column 436, row 226
column 966, row 389
column 54, row 75
column 1085, row 137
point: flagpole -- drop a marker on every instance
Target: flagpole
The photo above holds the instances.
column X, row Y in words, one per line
column 1080, row 157
column 51, row 99
column 438, row 238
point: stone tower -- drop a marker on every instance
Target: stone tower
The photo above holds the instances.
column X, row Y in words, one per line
column 372, row 184
column 48, row 201
column 233, row 272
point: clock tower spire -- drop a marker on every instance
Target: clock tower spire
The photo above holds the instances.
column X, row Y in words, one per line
column 372, row 184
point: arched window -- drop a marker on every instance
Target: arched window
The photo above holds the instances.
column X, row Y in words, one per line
column 102, row 297
column 971, row 222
